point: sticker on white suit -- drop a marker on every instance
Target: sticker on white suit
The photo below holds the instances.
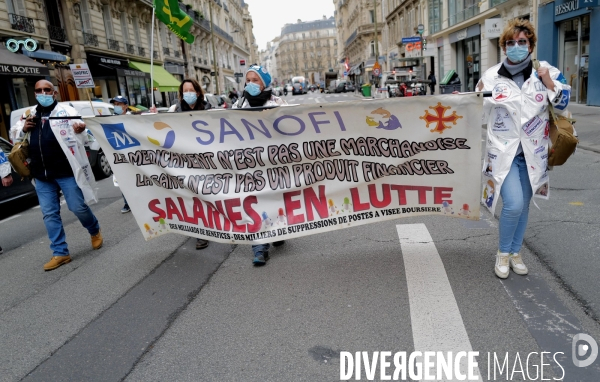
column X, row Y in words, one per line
column 503, row 121
column 533, row 125
column 490, row 163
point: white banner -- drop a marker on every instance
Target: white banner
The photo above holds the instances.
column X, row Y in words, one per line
column 244, row 176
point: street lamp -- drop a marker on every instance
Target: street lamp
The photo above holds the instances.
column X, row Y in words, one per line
column 420, row 30
column 212, row 41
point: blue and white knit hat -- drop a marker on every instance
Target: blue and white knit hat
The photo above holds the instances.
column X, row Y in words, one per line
column 262, row 73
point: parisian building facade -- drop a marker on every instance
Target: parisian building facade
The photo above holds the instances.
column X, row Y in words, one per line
column 307, row 48
column 113, row 38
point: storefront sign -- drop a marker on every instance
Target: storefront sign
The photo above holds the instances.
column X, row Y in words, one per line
column 28, row 44
column 566, row 7
column 132, row 73
column 461, row 35
column 407, row 40
column 111, row 61
column 82, row 76
column 493, row 28
column 27, row 70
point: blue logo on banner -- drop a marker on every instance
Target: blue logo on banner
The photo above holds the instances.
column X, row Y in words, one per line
column 2, row 157
column 561, row 79
column 118, row 137
column 564, row 100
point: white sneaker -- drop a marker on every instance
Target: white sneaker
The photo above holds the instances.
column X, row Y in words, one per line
column 516, row 263
column 502, row 265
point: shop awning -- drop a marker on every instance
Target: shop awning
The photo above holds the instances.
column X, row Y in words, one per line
column 163, row 80
column 14, row 64
column 231, row 79
column 48, row 55
column 369, row 63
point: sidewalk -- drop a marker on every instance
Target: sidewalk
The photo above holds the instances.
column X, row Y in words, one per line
column 587, row 125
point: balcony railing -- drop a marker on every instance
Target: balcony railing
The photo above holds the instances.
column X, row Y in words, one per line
column 113, row 45
column 57, row 33
column 494, row 3
column 90, row 39
column 166, row 51
column 177, row 54
column 141, row 51
column 130, row 48
column 463, row 15
column 222, row 33
column 20, row 23
column 155, row 54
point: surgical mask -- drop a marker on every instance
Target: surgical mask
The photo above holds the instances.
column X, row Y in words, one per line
column 252, row 89
column 190, row 98
column 44, row 99
column 517, row 53
column 118, row 110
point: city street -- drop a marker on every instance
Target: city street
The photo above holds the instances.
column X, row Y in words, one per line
column 161, row 310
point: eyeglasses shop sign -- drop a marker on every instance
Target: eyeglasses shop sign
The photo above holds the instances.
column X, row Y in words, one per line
column 493, row 28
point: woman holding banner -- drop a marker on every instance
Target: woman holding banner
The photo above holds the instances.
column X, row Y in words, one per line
column 191, row 98
column 516, row 159
column 258, row 93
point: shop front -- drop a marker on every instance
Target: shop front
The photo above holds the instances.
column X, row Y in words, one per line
column 467, row 45
column 166, row 87
column 18, row 75
column 571, row 47
column 113, row 76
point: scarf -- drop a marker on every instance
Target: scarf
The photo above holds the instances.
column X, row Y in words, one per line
column 259, row 100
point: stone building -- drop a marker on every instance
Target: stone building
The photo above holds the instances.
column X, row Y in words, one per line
column 355, row 21
column 307, row 49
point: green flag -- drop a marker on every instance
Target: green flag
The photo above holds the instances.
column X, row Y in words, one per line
column 175, row 19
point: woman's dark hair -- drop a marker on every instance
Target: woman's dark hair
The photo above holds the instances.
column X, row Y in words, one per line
column 198, row 89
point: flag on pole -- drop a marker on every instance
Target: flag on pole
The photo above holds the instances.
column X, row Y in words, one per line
column 175, row 19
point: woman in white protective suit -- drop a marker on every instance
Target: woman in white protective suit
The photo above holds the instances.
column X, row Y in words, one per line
column 516, row 158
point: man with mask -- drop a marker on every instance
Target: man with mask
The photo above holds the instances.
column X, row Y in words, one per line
column 121, row 107
column 58, row 162
column 258, row 93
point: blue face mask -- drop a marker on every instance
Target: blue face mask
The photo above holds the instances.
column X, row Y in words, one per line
column 190, row 98
column 517, row 53
column 44, row 99
column 118, row 110
column 252, row 89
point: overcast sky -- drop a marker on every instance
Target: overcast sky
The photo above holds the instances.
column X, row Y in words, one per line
column 269, row 16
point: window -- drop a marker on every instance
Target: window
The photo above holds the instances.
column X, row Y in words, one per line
column 107, row 21
column 461, row 10
column 86, row 21
column 17, row 7
column 371, row 16
column 435, row 16
column 372, row 48
column 124, row 29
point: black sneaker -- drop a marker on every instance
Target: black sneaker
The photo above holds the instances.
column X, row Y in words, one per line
column 278, row 243
column 260, row 259
column 201, row 243
column 1, row 251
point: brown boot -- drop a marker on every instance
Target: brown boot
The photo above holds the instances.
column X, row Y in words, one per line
column 97, row 240
column 56, row 261
column 201, row 243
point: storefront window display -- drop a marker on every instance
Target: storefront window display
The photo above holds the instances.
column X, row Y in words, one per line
column 574, row 55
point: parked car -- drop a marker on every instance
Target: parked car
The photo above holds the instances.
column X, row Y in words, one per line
column 215, row 102
column 289, row 87
column 350, row 87
column 20, row 189
column 97, row 158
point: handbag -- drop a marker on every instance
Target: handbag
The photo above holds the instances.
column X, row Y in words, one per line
column 19, row 157
column 563, row 137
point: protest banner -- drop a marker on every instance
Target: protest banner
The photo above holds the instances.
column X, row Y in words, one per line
column 244, row 176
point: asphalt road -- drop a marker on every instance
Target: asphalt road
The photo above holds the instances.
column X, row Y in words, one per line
column 163, row 311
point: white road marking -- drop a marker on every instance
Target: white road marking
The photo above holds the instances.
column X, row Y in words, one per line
column 435, row 318
column 10, row 218
column 318, row 100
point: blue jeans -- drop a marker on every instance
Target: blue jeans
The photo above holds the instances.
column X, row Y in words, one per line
column 259, row 248
column 516, row 195
column 49, row 197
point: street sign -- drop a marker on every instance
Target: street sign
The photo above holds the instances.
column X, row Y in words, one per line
column 242, row 62
column 238, row 75
column 345, row 74
column 406, row 40
column 420, row 28
column 82, row 76
column 376, row 72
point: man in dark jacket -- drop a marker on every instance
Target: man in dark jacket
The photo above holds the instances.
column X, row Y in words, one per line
column 432, row 82
column 53, row 172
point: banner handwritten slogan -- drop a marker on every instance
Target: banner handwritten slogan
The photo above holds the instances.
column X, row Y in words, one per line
column 244, row 176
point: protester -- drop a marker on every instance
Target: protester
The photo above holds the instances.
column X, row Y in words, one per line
column 517, row 137
column 58, row 162
column 121, row 107
column 233, row 95
column 258, row 93
column 7, row 179
column 191, row 98
column 432, row 82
